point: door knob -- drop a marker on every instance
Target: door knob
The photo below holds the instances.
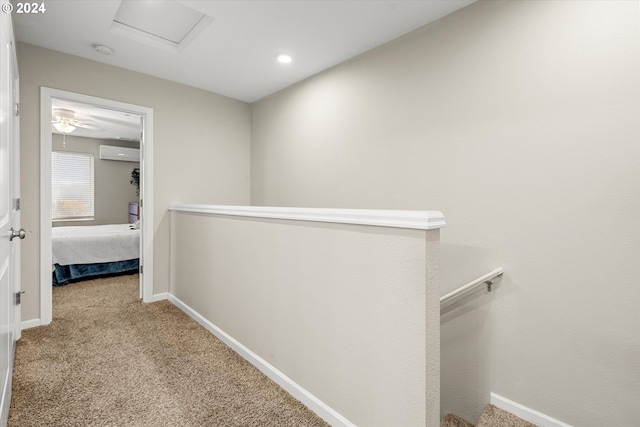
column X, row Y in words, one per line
column 17, row 233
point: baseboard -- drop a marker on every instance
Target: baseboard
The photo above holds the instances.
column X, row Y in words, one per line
column 159, row 297
column 28, row 324
column 525, row 413
column 310, row 401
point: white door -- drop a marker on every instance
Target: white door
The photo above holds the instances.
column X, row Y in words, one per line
column 10, row 232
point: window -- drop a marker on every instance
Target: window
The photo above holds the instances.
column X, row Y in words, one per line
column 72, row 185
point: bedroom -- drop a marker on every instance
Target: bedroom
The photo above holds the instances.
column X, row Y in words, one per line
column 530, row 109
column 95, row 198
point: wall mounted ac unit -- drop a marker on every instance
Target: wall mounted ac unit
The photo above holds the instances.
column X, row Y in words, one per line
column 110, row 152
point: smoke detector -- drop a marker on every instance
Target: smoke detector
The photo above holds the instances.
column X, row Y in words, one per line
column 102, row 49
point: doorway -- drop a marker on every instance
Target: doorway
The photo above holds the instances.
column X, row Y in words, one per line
column 47, row 98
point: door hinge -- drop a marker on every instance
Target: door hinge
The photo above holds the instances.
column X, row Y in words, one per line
column 18, row 296
column 141, row 268
column 17, row 204
column 17, row 109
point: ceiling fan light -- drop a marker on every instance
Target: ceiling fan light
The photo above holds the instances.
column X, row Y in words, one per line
column 64, row 127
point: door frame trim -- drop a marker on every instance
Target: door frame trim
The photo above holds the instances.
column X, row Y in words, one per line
column 146, row 190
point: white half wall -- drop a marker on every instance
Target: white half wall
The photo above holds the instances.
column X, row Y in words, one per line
column 349, row 313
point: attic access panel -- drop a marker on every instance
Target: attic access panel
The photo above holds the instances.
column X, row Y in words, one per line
column 169, row 25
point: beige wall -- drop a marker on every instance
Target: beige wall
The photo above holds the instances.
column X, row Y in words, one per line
column 347, row 317
column 201, row 146
column 518, row 120
column 112, row 189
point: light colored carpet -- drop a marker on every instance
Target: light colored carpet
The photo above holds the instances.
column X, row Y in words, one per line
column 491, row 416
column 108, row 359
column 454, row 421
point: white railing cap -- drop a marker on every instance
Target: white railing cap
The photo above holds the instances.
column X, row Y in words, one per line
column 421, row 220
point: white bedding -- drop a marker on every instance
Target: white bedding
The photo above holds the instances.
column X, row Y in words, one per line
column 95, row 244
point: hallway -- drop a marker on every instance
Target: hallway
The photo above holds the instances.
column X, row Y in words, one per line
column 109, row 359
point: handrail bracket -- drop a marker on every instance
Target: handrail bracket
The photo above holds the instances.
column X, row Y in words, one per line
column 487, row 280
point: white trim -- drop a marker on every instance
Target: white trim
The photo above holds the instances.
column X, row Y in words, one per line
column 422, row 220
column 316, row 405
column 525, row 413
column 46, row 262
column 146, row 189
column 159, row 297
column 28, row 324
column 46, row 99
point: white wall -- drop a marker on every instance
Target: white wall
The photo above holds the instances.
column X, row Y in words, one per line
column 518, row 120
column 201, row 146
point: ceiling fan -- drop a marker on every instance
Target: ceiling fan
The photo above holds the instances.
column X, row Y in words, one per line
column 65, row 121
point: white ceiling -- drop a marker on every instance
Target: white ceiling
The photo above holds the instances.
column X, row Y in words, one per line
column 235, row 54
column 103, row 123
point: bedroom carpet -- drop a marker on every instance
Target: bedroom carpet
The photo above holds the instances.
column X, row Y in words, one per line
column 107, row 359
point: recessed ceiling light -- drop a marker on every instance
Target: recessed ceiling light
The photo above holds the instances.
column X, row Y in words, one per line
column 284, row 58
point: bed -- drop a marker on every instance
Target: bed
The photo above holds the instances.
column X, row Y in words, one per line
column 85, row 252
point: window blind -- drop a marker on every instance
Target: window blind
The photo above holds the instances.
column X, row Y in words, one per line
column 72, row 185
